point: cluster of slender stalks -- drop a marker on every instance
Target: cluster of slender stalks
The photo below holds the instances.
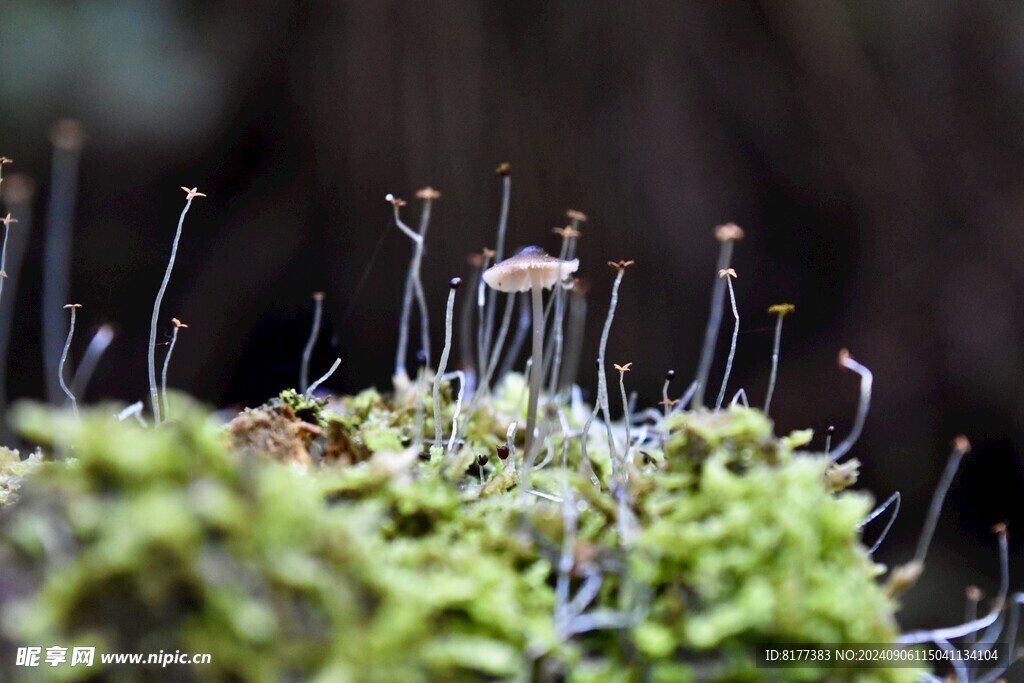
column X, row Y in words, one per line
column 17, row 193
column 547, row 415
column 489, row 349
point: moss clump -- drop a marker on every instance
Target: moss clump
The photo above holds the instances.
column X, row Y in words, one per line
column 377, row 564
column 13, row 471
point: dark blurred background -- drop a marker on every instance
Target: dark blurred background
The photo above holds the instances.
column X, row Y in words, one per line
column 872, row 151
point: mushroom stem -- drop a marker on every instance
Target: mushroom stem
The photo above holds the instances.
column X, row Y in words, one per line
column 314, row 333
column 443, row 364
column 17, row 199
column 499, row 255
column 3, row 251
column 780, row 310
column 470, row 338
column 714, row 323
column 153, row 395
column 866, row 380
column 602, row 379
column 775, row 365
column 726, row 235
column 484, row 385
column 553, row 351
column 574, row 341
column 413, row 287
column 461, row 376
column 418, row 410
column 97, row 346
column 625, row 408
column 67, row 137
column 163, row 374
column 518, row 339
column 669, row 376
column 728, row 276
column 64, row 358
column 537, row 362
column 323, row 378
column 960, row 448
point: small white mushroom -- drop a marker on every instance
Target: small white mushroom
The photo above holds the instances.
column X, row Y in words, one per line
column 535, row 270
column 531, row 266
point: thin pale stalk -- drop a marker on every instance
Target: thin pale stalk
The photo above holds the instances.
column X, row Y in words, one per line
column 574, row 341
column 3, row 258
column 732, row 346
column 442, row 365
column 499, row 255
column 314, row 334
column 135, row 411
column 866, row 380
column 163, row 373
column 684, row 400
column 952, row 465
column 17, row 197
column 57, row 244
column 537, row 362
column 714, row 323
column 97, row 347
column 468, row 348
column 602, row 380
column 461, row 376
column 625, row 410
column 323, row 378
column 418, row 408
column 776, row 347
column 153, row 396
column 891, row 501
column 63, row 360
column 413, row 286
column 519, row 339
column 484, row 386
column 554, row 342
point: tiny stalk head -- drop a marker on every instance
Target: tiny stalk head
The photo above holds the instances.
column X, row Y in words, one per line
column 503, row 169
column 7, row 220
column 781, row 310
column 428, row 194
column 730, row 232
column 481, row 258
column 574, row 215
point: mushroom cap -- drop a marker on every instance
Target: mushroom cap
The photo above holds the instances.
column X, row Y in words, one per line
column 531, row 267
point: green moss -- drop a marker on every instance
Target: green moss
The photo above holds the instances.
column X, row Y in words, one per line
column 382, row 565
column 13, row 471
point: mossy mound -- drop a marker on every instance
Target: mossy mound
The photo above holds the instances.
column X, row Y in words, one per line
column 363, row 560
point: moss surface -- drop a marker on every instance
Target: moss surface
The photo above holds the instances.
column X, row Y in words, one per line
column 311, row 542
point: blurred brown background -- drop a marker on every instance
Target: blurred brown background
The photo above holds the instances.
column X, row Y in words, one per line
column 872, row 150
